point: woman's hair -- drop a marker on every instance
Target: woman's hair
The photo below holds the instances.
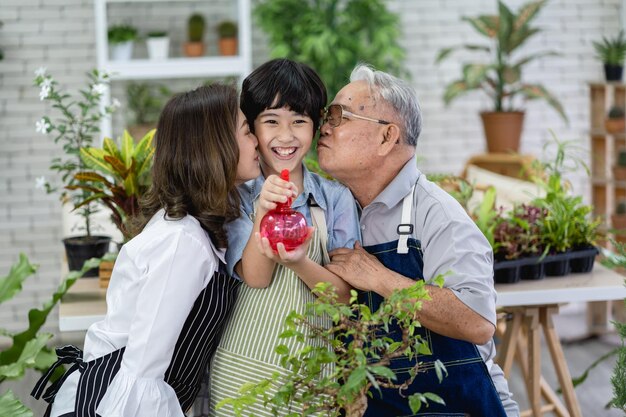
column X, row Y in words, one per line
column 195, row 162
column 283, row 82
column 398, row 94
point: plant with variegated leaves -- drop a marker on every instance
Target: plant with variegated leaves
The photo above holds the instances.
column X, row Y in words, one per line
column 499, row 75
column 126, row 176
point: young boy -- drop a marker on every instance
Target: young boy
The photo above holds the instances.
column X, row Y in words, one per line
column 283, row 101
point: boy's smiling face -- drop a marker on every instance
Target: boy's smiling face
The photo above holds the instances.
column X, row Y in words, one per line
column 284, row 139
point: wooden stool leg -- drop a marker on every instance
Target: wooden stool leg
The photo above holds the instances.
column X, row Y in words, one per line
column 531, row 320
column 506, row 351
column 558, row 359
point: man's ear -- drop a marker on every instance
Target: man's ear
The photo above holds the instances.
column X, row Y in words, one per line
column 390, row 138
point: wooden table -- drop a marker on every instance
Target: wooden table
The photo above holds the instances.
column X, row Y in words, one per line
column 530, row 307
column 84, row 304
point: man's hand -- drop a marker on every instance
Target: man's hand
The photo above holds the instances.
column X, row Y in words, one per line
column 357, row 267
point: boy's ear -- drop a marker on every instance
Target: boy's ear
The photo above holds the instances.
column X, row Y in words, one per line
column 390, row 138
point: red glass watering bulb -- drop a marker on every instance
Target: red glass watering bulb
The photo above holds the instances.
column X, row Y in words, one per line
column 283, row 224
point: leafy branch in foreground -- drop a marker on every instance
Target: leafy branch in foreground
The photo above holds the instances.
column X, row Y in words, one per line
column 343, row 360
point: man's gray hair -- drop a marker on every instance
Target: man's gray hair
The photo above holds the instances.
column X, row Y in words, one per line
column 398, row 93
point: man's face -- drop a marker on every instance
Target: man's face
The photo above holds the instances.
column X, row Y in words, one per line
column 350, row 149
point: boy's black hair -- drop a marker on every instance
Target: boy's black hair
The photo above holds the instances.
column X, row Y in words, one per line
column 283, row 82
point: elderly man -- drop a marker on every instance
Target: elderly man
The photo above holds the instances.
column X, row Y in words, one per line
column 412, row 229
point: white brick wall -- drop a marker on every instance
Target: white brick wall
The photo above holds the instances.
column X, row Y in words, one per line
column 59, row 34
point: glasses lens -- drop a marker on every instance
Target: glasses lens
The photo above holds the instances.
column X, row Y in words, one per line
column 333, row 115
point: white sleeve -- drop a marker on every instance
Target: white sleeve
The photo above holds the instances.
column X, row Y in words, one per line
column 176, row 269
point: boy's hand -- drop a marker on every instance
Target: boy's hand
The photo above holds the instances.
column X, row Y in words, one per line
column 276, row 190
column 282, row 256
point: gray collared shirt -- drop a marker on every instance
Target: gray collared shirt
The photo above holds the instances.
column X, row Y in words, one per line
column 335, row 199
column 451, row 243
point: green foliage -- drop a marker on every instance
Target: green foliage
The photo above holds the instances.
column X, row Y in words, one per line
column 518, row 233
column 129, row 168
column 616, row 112
column 621, row 207
column 75, row 128
column 567, row 223
column 499, row 75
column 227, row 29
column 457, row 187
column 28, row 348
column 157, row 34
column 612, row 51
column 145, row 101
column 618, row 379
column 121, row 33
column 195, row 28
column 486, row 216
column 333, row 36
column 352, row 350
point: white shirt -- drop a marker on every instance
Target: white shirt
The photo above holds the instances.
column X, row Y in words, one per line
column 157, row 277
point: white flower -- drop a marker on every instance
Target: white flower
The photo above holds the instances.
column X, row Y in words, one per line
column 41, row 126
column 44, row 93
column 40, row 183
column 41, row 71
column 47, row 82
column 98, row 89
column 116, row 103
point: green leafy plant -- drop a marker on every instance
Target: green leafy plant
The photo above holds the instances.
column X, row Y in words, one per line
column 29, row 347
column 457, row 187
column 616, row 112
column 145, row 101
column 121, row 33
column 126, row 177
column 195, row 28
column 157, row 34
column 499, row 75
column 518, row 234
column 75, row 128
column 612, row 51
column 333, row 36
column 486, row 217
column 360, row 357
column 227, row 29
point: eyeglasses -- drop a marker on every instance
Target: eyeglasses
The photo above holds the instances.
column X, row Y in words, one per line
column 335, row 113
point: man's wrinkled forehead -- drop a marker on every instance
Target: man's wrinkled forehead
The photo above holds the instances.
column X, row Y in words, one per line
column 356, row 96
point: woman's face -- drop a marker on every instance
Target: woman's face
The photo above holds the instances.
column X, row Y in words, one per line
column 248, row 165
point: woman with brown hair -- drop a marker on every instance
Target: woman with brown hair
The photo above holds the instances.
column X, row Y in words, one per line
column 168, row 297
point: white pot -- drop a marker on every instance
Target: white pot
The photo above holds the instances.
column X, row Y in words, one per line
column 158, row 48
column 121, row 51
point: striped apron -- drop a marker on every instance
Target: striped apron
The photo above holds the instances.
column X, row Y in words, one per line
column 246, row 351
column 193, row 350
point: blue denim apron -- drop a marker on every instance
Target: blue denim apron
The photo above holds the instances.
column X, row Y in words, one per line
column 467, row 389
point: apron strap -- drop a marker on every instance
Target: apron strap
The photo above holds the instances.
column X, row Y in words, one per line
column 319, row 221
column 66, row 354
column 405, row 228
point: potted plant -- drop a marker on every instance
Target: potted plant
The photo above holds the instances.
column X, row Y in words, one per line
column 612, row 52
column 615, row 121
column 195, row 35
column 75, row 128
column 500, row 75
column 121, row 39
column 158, row 45
column 227, row 34
column 618, row 218
column 145, row 101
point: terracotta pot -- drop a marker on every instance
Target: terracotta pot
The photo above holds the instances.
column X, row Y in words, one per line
column 228, row 46
column 104, row 273
column 503, row 130
column 193, row 49
column 615, row 125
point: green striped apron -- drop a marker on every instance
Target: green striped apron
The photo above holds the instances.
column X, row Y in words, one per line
column 246, row 349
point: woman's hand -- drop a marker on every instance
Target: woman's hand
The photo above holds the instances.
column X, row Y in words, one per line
column 276, row 190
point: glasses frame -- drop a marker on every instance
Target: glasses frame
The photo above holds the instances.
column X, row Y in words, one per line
column 347, row 113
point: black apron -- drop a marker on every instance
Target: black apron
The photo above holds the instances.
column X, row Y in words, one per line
column 194, row 348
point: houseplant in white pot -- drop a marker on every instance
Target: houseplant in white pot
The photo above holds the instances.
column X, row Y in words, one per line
column 76, row 127
column 158, row 45
column 121, row 38
column 499, row 75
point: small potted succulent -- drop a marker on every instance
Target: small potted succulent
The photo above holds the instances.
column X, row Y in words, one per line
column 616, row 120
column 227, row 33
column 121, row 38
column 612, row 52
column 158, row 45
column 195, row 34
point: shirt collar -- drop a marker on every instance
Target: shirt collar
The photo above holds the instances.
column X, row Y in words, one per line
column 311, row 189
column 400, row 186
